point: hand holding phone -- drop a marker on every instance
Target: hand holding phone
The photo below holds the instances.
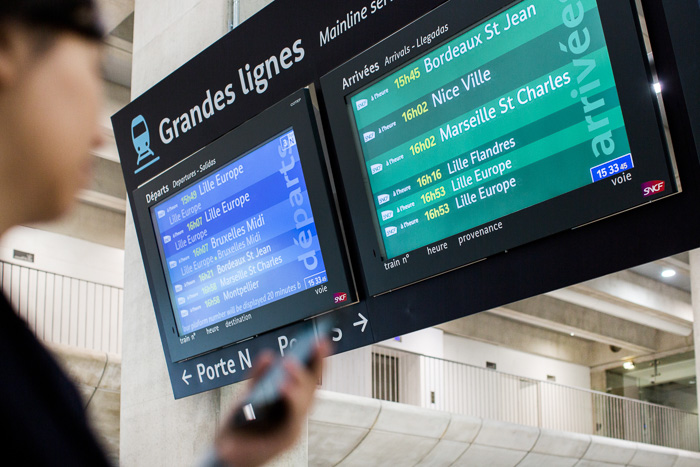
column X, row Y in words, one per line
column 265, row 407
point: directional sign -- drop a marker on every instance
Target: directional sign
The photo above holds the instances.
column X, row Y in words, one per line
column 363, row 322
column 231, row 364
column 351, row 328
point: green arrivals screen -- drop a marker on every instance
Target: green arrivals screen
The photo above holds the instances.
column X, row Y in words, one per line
column 517, row 110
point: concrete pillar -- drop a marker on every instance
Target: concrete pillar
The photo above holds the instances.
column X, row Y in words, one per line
column 695, row 296
column 156, row 429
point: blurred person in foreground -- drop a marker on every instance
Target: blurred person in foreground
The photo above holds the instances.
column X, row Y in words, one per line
column 50, row 98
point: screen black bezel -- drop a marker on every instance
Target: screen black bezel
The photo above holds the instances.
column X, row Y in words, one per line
column 640, row 111
column 296, row 112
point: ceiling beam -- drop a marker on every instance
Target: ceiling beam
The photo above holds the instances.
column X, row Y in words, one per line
column 573, row 331
column 568, row 317
column 638, row 315
column 643, row 292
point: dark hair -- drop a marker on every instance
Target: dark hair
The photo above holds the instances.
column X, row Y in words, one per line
column 78, row 16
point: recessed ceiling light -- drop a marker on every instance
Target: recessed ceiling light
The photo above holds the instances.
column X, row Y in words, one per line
column 668, row 273
column 657, row 88
column 628, row 365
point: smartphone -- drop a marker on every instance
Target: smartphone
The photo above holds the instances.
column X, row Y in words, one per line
column 264, row 409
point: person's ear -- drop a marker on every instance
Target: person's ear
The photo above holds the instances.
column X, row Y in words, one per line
column 13, row 51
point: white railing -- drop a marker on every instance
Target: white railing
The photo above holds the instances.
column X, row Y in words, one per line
column 65, row 310
column 414, row 379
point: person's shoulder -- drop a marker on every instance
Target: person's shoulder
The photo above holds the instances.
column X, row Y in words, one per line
column 39, row 401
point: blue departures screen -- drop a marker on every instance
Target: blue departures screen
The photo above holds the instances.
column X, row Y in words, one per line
column 240, row 238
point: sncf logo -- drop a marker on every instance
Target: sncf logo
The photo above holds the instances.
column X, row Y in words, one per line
column 340, row 297
column 653, row 187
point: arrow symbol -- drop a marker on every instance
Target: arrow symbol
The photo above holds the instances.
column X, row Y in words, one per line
column 363, row 322
column 185, row 377
column 339, row 333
